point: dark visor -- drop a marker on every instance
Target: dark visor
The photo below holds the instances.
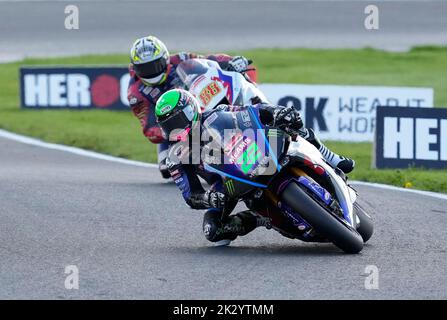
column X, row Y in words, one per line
column 151, row 69
column 177, row 122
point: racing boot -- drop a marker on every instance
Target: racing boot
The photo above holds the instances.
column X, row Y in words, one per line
column 223, row 231
column 343, row 163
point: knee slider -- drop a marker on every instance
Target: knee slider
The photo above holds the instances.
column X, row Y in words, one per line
column 211, row 225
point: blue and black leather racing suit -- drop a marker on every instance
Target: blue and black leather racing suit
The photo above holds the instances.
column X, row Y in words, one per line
column 186, row 168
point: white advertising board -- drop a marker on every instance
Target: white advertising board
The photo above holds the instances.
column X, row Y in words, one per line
column 344, row 113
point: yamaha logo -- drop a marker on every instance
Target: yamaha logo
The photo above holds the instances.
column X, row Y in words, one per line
column 166, row 109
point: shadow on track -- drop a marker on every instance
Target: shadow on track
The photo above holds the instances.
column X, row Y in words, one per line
column 317, row 250
column 148, row 184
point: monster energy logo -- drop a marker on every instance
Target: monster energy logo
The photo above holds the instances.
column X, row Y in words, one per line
column 230, row 186
column 274, row 133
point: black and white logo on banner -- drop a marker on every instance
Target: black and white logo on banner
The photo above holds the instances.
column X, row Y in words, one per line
column 411, row 137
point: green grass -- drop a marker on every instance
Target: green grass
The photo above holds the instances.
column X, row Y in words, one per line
column 416, row 178
column 116, row 133
column 119, row 133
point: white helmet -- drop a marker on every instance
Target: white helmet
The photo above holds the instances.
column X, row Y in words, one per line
column 150, row 59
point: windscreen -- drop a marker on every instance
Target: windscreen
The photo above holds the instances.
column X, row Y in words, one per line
column 190, row 69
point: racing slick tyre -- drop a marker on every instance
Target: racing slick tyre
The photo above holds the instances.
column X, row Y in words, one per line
column 326, row 224
column 366, row 228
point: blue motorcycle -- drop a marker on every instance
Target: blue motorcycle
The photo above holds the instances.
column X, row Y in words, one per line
column 286, row 180
column 283, row 179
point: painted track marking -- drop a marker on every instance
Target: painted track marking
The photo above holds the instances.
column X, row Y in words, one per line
column 96, row 155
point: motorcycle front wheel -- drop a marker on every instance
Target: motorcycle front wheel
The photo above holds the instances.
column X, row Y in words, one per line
column 326, row 224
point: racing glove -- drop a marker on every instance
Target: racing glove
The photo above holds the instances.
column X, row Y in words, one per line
column 216, row 199
column 208, row 199
column 287, row 119
column 238, row 64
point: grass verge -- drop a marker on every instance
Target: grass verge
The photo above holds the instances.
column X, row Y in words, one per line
column 118, row 133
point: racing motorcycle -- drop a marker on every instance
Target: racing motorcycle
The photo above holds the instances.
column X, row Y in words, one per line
column 282, row 178
column 213, row 86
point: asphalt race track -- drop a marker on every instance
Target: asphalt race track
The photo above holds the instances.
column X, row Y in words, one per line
column 36, row 28
column 131, row 236
column 130, row 233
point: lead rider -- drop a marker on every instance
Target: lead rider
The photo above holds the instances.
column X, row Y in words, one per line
column 178, row 114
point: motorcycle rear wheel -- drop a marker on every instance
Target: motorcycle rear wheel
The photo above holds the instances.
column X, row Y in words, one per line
column 366, row 227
